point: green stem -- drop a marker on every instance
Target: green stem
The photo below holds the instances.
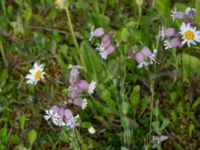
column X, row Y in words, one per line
column 3, row 55
column 73, row 33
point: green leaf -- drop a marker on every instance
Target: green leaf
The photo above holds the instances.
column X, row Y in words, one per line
column 165, row 124
column 191, row 65
column 196, row 103
column 64, row 137
column 92, row 64
column 86, row 125
column 125, row 107
column 156, row 127
column 135, row 95
column 22, row 120
column 191, row 129
column 32, row 136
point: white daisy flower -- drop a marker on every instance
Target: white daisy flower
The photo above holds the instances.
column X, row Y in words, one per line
column 91, row 130
column 91, row 87
column 36, row 74
column 189, row 35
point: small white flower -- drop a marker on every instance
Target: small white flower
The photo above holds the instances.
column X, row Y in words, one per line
column 159, row 139
column 91, row 130
column 36, row 74
column 91, row 87
column 167, row 44
column 189, row 35
column 84, row 103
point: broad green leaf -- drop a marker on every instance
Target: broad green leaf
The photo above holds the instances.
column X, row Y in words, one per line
column 191, row 129
column 196, row 103
column 32, row 136
column 165, row 123
column 22, row 120
column 92, row 63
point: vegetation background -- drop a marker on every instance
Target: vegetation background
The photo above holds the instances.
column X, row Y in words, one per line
column 130, row 105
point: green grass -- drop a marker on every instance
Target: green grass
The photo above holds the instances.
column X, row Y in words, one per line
column 129, row 106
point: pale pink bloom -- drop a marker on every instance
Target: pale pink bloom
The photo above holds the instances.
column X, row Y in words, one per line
column 70, row 120
column 110, row 49
column 146, row 52
column 83, row 85
column 98, row 32
column 74, row 74
column 139, row 57
column 105, row 41
column 52, row 115
column 73, row 92
column 173, row 43
column 190, row 12
column 79, row 102
column 169, row 32
column 61, row 112
column 177, row 15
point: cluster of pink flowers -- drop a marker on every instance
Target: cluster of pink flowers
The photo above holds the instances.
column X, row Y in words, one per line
column 144, row 57
column 106, row 47
column 61, row 116
column 187, row 34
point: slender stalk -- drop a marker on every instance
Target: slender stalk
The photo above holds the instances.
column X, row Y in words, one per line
column 73, row 33
column 3, row 55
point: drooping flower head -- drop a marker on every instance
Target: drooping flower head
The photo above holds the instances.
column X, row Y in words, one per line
column 169, row 32
column 79, row 102
column 177, row 14
column 36, row 73
column 70, row 119
column 60, row 116
column 106, row 47
column 189, row 35
column 173, row 43
column 190, row 12
column 98, row 32
column 74, row 73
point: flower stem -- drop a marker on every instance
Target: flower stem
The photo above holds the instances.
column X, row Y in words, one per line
column 73, row 33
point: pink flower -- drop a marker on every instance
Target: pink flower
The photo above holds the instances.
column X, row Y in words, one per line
column 81, row 103
column 177, row 15
column 83, row 85
column 69, row 119
column 74, row 74
column 190, row 12
column 169, row 32
column 175, row 42
column 98, row 32
column 140, row 60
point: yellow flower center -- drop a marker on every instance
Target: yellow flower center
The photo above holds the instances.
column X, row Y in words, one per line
column 38, row 75
column 189, row 35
